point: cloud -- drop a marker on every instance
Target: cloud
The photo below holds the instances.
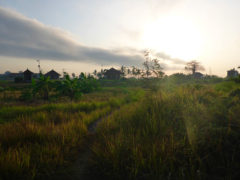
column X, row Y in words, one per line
column 166, row 61
column 169, row 58
column 22, row 37
column 28, row 38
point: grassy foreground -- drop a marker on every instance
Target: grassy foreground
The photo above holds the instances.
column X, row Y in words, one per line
column 176, row 130
column 191, row 132
column 35, row 141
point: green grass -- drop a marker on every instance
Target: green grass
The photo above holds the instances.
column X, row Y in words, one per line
column 15, row 112
column 227, row 86
column 160, row 129
column 36, row 140
column 190, row 133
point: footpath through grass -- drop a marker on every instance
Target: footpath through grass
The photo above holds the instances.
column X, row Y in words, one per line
column 37, row 140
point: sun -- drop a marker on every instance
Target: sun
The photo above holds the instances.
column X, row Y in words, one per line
column 173, row 35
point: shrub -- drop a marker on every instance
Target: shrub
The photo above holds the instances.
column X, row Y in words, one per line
column 235, row 92
column 69, row 87
column 42, row 87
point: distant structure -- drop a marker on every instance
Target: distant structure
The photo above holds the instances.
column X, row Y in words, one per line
column 198, row 75
column 9, row 76
column 14, row 75
column 52, row 74
column 112, row 74
column 27, row 75
column 232, row 73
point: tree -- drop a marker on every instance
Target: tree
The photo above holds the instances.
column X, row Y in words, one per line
column 41, row 86
column 73, row 75
column 194, row 66
column 100, row 74
column 138, row 72
column 129, row 72
column 123, row 71
column 156, row 68
column 65, row 74
column 69, row 87
column 135, row 71
column 82, row 76
column 152, row 67
column 88, row 84
column 95, row 73
column 147, row 71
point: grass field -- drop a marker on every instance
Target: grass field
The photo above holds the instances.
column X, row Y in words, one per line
column 186, row 130
column 191, row 132
column 37, row 139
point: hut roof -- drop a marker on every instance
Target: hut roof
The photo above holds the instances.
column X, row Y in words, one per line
column 112, row 70
column 27, row 72
column 52, row 72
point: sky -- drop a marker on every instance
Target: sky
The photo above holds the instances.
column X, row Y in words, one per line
column 83, row 35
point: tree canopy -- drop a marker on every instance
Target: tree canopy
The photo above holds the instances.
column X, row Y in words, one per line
column 194, row 66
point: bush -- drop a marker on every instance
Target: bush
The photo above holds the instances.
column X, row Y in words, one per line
column 88, row 85
column 235, row 92
column 69, row 87
column 237, row 79
column 42, row 87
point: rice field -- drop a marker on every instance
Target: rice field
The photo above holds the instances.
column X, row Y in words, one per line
column 36, row 140
column 169, row 131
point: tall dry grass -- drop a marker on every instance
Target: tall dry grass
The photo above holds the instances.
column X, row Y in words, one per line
column 35, row 141
column 189, row 133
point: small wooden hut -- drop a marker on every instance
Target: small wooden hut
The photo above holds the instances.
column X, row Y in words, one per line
column 52, row 74
column 27, row 75
column 112, row 74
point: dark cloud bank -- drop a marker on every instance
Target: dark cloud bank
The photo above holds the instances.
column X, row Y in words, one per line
column 27, row 38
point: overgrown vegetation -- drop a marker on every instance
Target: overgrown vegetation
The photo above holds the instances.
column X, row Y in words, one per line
column 173, row 127
column 189, row 133
column 34, row 141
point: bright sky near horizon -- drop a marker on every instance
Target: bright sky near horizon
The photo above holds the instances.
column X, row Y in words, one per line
column 82, row 35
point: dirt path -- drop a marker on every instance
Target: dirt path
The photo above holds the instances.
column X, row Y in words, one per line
column 78, row 169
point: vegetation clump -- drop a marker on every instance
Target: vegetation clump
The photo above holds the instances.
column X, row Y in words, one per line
column 189, row 133
column 36, row 141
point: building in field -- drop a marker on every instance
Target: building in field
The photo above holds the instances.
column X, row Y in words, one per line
column 232, row 73
column 27, row 75
column 52, row 75
column 198, row 75
column 112, row 74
